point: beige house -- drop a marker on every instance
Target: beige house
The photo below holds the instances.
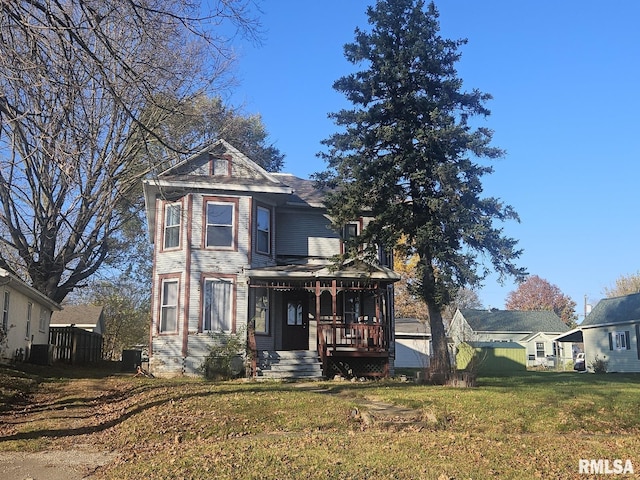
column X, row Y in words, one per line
column 238, row 250
column 26, row 314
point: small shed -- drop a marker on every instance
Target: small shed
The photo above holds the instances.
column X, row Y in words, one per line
column 413, row 343
column 494, row 357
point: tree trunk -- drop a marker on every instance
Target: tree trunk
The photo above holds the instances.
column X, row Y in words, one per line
column 440, row 365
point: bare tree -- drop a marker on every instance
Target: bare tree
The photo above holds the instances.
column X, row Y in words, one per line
column 624, row 285
column 78, row 80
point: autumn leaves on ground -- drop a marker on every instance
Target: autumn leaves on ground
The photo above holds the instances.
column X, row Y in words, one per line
column 537, row 425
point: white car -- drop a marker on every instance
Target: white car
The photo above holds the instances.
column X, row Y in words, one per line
column 579, row 363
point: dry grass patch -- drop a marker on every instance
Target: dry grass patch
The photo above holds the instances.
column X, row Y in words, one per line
column 536, row 425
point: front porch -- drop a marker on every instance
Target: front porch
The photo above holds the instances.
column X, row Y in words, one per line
column 345, row 319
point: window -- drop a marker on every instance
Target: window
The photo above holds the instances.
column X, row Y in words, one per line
column 42, row 324
column 351, row 307
column 219, row 225
column 172, row 225
column 5, row 312
column 261, row 310
column 294, row 313
column 619, row 341
column 350, row 231
column 27, row 333
column 217, row 305
column 220, row 166
column 263, row 230
column 539, row 349
column 169, row 307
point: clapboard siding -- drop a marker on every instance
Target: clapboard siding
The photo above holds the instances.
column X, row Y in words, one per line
column 596, row 344
column 305, row 234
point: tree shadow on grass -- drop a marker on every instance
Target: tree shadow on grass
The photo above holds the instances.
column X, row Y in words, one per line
column 92, row 429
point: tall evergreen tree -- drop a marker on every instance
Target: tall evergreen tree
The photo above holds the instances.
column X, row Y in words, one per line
column 408, row 155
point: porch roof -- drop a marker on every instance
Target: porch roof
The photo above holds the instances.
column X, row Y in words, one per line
column 323, row 271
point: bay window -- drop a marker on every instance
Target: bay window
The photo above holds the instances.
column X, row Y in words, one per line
column 218, row 303
column 169, row 307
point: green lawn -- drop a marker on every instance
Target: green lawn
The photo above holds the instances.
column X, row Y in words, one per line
column 535, row 425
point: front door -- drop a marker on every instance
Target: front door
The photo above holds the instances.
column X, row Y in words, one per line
column 295, row 326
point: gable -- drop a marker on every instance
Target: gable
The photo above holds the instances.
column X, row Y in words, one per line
column 201, row 173
column 83, row 316
column 611, row 311
column 7, row 278
column 513, row 321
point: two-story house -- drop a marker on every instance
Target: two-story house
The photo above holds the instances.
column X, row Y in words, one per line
column 238, row 249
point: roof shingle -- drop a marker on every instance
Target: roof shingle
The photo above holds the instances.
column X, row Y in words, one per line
column 513, row 321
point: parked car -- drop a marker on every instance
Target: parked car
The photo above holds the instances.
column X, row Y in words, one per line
column 579, row 364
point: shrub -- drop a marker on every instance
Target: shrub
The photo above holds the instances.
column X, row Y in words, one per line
column 226, row 356
column 599, row 365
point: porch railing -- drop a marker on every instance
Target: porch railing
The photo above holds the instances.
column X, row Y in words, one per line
column 352, row 337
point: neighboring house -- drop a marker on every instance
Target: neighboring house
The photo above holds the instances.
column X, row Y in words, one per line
column 534, row 330
column 26, row 314
column 240, row 250
column 611, row 332
column 76, row 335
column 413, row 343
column 86, row 317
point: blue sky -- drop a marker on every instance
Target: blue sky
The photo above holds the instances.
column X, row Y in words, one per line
column 564, row 77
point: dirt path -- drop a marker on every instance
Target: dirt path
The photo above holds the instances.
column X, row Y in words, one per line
column 52, row 464
column 69, row 453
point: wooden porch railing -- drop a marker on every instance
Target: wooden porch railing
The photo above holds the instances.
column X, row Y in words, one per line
column 352, row 337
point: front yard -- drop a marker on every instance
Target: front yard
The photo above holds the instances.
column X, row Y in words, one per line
column 535, row 425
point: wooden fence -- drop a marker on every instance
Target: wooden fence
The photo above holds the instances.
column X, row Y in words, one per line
column 75, row 345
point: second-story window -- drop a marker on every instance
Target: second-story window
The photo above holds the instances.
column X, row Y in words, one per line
column 350, row 232
column 172, row 225
column 220, row 218
column 263, row 233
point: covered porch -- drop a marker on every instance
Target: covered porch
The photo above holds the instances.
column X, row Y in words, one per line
column 344, row 316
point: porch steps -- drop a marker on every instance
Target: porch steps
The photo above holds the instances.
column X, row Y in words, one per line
column 289, row 365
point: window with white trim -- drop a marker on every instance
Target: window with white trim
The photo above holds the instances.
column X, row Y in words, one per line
column 219, row 227
column 261, row 310
column 263, row 233
column 5, row 312
column 27, row 333
column 540, row 349
column 172, row 216
column 218, row 305
column 620, row 340
column 169, row 306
